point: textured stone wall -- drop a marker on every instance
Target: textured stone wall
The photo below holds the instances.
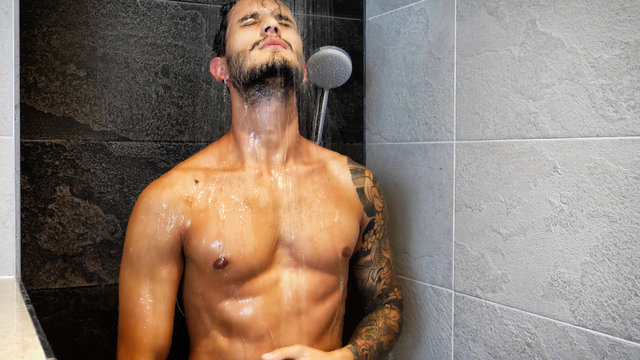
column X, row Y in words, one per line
column 506, row 137
column 114, row 94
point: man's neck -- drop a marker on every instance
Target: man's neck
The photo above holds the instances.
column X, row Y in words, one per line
column 265, row 134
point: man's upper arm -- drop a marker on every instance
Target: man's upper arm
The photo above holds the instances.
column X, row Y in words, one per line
column 373, row 273
column 372, row 265
column 150, row 274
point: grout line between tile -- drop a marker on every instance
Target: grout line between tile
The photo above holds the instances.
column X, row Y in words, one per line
column 595, row 138
column 397, row 9
column 110, row 141
column 425, row 283
column 542, row 317
column 453, row 202
column 411, row 142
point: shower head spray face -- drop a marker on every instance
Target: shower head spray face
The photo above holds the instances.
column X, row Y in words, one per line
column 329, row 67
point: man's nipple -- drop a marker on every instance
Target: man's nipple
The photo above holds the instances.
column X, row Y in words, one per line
column 346, row 252
column 220, row 263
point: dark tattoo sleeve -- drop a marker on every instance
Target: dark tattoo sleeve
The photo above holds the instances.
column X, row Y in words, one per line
column 378, row 331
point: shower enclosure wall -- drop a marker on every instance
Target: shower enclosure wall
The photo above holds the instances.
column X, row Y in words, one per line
column 114, row 94
column 506, row 135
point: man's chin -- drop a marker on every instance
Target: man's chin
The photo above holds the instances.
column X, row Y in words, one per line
column 273, row 78
column 274, row 57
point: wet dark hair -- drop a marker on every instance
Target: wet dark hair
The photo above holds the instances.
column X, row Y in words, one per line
column 220, row 40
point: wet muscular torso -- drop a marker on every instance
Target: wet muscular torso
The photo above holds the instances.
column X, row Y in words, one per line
column 266, row 256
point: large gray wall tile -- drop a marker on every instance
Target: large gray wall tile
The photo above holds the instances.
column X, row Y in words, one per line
column 486, row 331
column 7, row 208
column 417, row 180
column 552, row 227
column 427, row 332
column 409, row 77
column 547, row 69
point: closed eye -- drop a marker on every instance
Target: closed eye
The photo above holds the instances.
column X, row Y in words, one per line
column 285, row 20
column 249, row 19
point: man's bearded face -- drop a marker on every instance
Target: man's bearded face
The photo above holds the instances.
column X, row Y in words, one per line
column 264, row 50
column 274, row 78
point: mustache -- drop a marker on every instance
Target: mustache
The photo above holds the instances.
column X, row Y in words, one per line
column 259, row 42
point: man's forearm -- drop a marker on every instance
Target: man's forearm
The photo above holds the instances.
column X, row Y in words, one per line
column 377, row 333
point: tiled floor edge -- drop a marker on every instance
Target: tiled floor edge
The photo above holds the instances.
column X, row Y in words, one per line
column 46, row 347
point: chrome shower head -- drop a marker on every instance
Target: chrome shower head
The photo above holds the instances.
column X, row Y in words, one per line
column 329, row 67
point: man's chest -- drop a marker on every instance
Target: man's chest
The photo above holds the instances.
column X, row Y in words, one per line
column 244, row 228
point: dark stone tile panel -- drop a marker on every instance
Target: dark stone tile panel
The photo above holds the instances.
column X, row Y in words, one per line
column 80, row 323
column 135, row 69
column 139, row 70
column 76, row 201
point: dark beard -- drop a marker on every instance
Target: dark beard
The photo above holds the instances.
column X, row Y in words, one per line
column 275, row 80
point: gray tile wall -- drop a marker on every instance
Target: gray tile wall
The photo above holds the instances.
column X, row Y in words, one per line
column 409, row 132
column 506, row 138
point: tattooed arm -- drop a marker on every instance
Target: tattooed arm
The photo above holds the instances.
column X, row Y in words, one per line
column 372, row 270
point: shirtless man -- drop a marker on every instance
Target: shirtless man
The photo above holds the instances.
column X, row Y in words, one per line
column 260, row 225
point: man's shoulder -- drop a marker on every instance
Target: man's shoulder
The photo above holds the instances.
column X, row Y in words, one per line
column 359, row 173
column 335, row 163
column 349, row 172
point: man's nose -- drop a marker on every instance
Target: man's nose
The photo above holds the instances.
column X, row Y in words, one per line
column 270, row 27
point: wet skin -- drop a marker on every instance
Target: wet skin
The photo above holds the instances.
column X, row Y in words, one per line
column 266, row 252
column 260, row 225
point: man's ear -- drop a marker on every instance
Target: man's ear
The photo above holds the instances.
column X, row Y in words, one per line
column 218, row 68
